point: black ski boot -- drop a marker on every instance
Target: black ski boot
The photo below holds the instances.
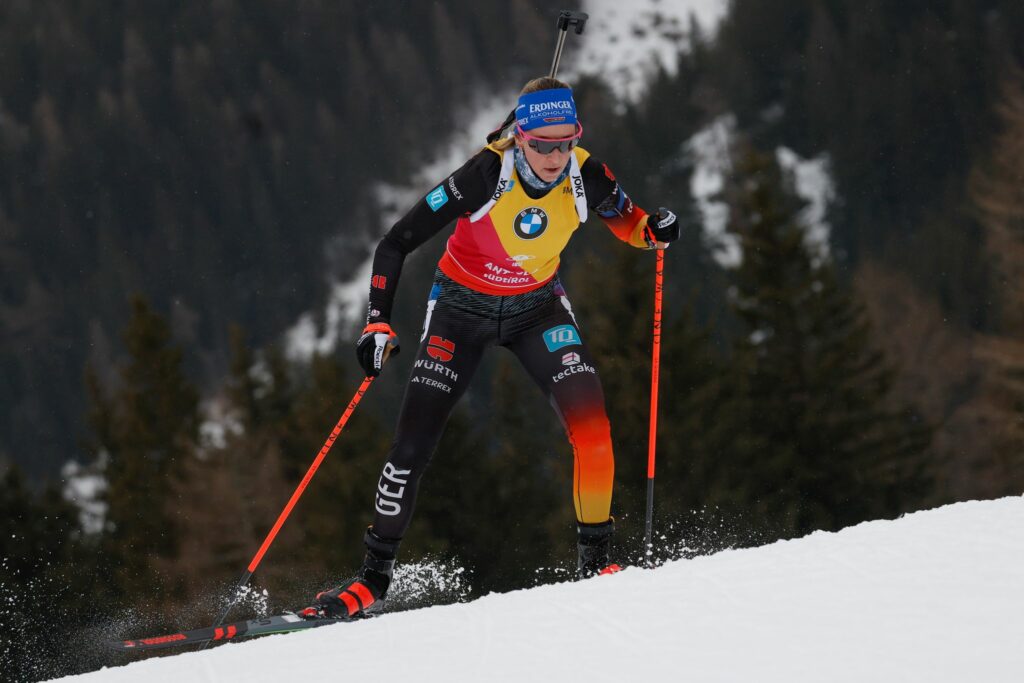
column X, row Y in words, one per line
column 362, row 595
column 594, row 542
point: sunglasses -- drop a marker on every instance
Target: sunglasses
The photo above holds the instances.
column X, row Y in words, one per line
column 549, row 145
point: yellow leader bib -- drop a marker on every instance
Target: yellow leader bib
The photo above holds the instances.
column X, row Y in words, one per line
column 512, row 244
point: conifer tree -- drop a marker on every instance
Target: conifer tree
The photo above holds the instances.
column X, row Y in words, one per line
column 147, row 428
column 998, row 196
column 832, row 449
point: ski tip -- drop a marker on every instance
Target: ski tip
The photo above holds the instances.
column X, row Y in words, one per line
column 280, row 623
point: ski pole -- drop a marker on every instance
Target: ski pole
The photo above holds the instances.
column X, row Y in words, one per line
column 566, row 18
column 295, row 498
column 659, row 272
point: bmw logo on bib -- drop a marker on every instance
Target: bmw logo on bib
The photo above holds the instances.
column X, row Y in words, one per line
column 531, row 223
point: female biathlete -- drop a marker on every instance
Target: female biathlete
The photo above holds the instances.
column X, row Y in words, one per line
column 518, row 201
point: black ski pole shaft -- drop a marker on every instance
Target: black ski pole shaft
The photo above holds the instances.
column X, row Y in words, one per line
column 566, row 19
column 558, row 53
column 649, row 525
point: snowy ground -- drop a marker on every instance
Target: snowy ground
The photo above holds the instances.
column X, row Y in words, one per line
column 935, row 596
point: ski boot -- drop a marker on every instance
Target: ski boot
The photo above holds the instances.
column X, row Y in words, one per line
column 362, row 595
column 594, row 542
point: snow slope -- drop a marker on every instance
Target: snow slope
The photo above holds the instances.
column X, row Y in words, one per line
column 934, row 596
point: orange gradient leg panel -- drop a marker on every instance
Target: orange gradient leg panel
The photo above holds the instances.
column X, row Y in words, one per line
column 593, row 461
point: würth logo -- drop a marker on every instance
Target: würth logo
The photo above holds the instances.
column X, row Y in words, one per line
column 440, row 349
column 379, row 281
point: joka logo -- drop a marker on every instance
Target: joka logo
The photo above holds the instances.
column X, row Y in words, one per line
column 571, row 358
column 503, row 187
column 379, row 281
column 531, row 223
column 440, row 349
column 437, row 198
column 561, row 336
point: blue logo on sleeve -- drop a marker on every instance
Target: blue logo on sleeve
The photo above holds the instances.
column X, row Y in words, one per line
column 563, row 335
column 437, row 198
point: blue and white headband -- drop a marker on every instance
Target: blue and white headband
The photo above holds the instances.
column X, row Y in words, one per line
column 546, row 108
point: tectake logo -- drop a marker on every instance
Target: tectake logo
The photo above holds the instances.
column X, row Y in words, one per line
column 571, row 358
column 561, row 336
column 576, row 369
column 437, row 198
column 530, row 223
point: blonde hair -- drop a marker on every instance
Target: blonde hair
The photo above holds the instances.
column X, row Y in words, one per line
column 537, row 84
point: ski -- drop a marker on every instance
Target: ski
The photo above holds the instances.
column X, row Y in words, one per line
column 280, row 623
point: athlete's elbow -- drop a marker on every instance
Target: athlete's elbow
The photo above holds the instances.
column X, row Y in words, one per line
column 394, row 243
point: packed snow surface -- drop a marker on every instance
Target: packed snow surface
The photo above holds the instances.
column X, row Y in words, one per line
column 933, row 596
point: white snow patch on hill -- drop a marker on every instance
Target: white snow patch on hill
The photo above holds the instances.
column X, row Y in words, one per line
column 624, row 42
column 935, row 596
column 84, row 486
column 813, row 181
column 710, row 152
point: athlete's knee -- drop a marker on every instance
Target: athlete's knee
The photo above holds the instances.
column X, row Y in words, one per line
column 588, row 423
column 412, row 454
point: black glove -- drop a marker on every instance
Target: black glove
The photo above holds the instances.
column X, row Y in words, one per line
column 662, row 226
column 377, row 342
